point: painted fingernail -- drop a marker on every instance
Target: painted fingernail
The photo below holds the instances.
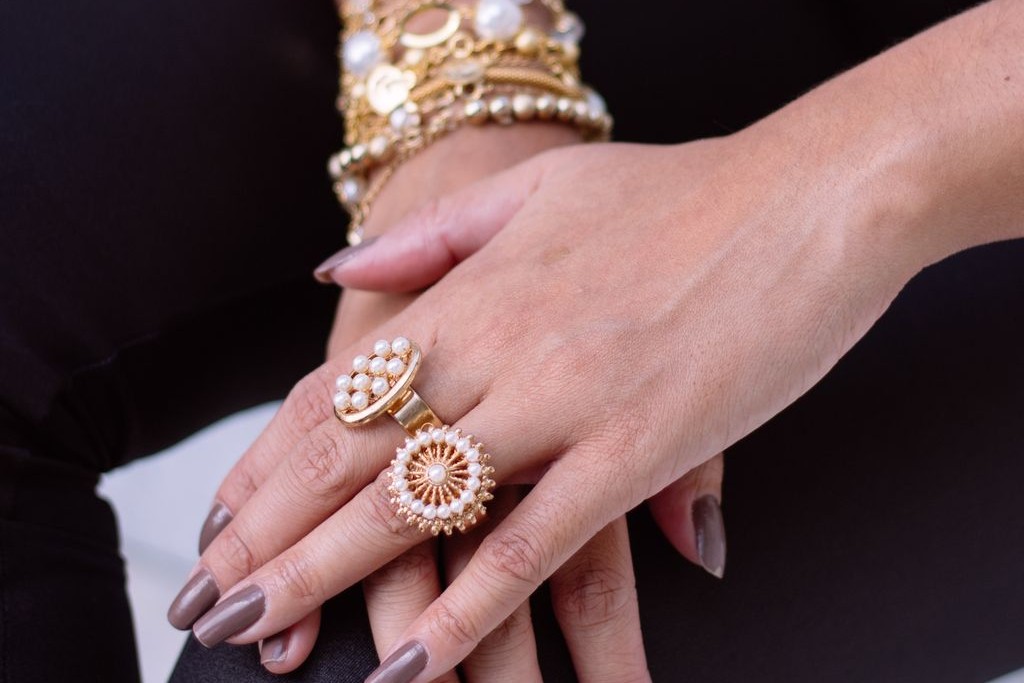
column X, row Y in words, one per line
column 323, row 271
column 274, row 649
column 237, row 613
column 710, row 532
column 198, row 595
column 218, row 518
column 402, row 666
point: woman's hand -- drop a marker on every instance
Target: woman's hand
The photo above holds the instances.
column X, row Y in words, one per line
column 648, row 320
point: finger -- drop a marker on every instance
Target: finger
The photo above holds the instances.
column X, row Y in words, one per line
column 431, row 240
column 357, row 539
column 399, row 591
column 595, row 602
column 690, row 515
column 540, row 535
column 287, row 650
column 509, row 652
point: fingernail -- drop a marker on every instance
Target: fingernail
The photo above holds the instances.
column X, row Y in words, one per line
column 402, row 666
column 323, row 271
column 237, row 613
column 274, row 649
column 710, row 531
column 198, row 595
column 218, row 518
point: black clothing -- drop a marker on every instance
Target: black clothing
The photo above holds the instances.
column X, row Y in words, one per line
column 163, row 200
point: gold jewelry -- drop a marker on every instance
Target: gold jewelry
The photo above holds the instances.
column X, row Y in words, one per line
column 402, row 90
column 440, row 479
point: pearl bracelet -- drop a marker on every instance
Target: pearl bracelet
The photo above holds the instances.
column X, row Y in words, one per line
column 402, row 90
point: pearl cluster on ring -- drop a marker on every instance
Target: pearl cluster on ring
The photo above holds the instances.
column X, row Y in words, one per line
column 441, row 480
column 373, row 376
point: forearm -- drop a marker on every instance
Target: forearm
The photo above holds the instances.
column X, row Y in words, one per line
column 927, row 138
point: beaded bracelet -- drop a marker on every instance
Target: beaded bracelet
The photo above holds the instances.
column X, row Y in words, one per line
column 402, row 90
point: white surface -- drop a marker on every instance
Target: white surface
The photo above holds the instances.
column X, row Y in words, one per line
column 161, row 503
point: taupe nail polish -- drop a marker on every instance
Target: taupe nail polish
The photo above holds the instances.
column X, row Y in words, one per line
column 274, row 649
column 197, row 596
column 235, row 614
column 402, row 666
column 218, row 518
column 710, row 531
column 323, row 271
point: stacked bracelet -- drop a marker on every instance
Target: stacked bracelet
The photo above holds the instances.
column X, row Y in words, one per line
column 402, row 90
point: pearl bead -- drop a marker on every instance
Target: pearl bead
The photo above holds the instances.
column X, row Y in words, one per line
column 378, row 365
column 437, row 474
column 500, row 108
column 546, row 107
column 451, row 438
column 527, row 42
column 351, row 188
column 570, row 29
column 456, row 507
column 400, row 484
column 403, row 456
column 402, row 118
column 524, row 106
column 334, row 166
column 395, row 367
column 358, row 153
column 564, row 107
column 497, row 19
column 596, row 103
column 417, row 506
column 361, row 52
column 343, row 383
column 380, row 386
column 401, row 346
column 424, row 438
column 437, row 435
column 360, row 400
column 475, row 468
column 361, row 382
column 472, row 455
column 360, row 363
column 342, row 400
column 382, row 347
column 405, row 498
column 429, row 511
column 467, row 497
column 475, row 111
column 400, row 469
column 473, row 484
column 443, row 511
column 462, row 445
column 410, row 444
column 580, row 111
column 378, row 147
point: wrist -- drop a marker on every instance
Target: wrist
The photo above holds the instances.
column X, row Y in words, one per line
column 459, row 159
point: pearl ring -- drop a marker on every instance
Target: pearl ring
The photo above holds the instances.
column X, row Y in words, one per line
column 440, row 478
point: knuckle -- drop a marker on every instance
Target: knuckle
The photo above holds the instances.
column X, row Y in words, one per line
column 431, row 214
column 383, row 513
column 299, row 579
column 310, row 401
column 408, row 569
column 594, row 596
column 236, row 552
column 321, row 469
column 450, row 626
column 514, row 555
column 511, row 630
column 239, row 485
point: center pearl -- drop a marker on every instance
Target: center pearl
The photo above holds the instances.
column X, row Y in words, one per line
column 437, row 474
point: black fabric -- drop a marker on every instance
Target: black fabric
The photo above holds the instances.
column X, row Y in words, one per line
column 163, row 198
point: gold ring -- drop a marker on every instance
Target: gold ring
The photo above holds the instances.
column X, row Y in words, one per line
column 440, row 478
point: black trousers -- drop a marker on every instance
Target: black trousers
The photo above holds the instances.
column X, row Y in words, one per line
column 162, row 201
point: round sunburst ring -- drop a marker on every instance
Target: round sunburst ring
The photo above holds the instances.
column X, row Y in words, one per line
column 440, row 480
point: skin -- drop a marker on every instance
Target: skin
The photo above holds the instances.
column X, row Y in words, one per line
column 734, row 273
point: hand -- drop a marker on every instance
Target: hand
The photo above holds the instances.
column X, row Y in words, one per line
column 670, row 355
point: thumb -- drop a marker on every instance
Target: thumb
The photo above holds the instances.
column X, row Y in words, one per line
column 690, row 515
column 433, row 238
